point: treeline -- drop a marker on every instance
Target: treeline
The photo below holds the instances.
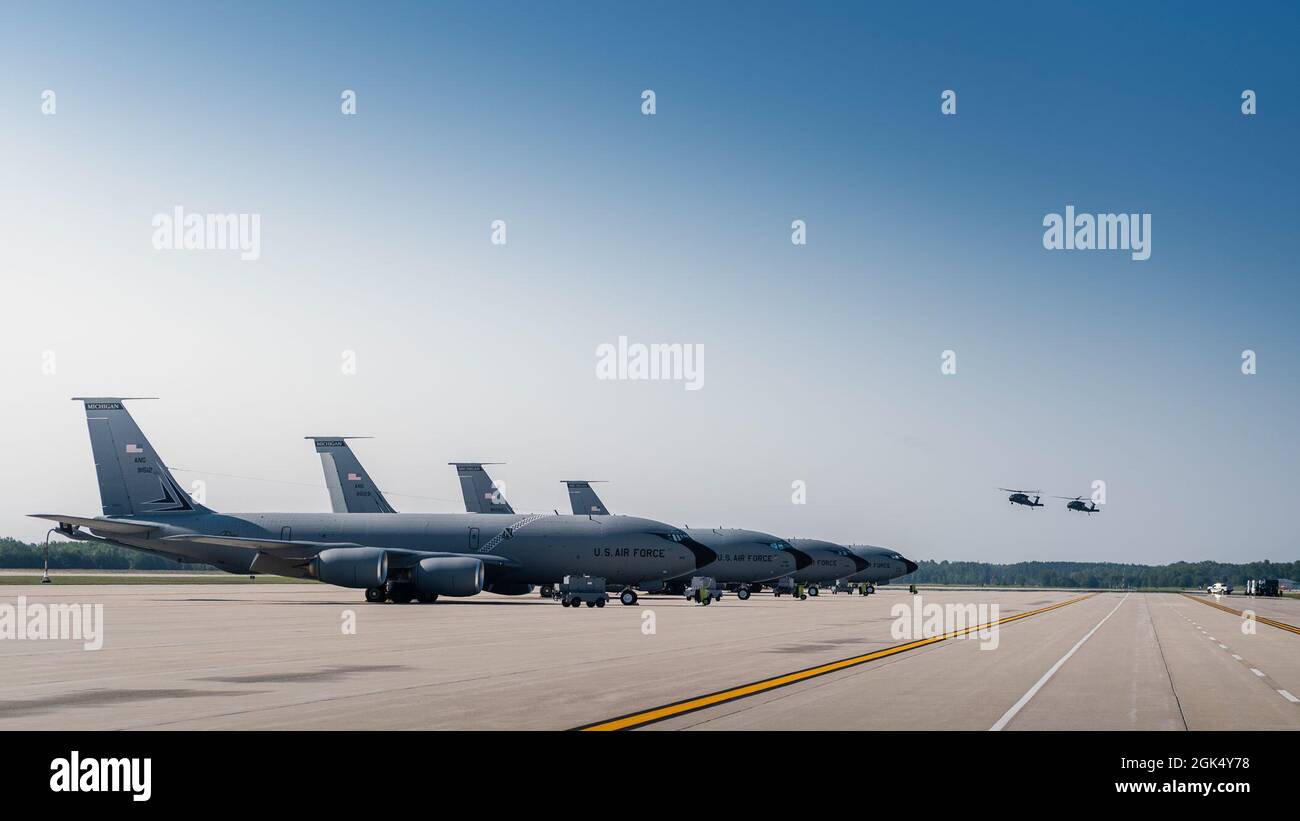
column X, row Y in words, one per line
column 84, row 556
column 1104, row 575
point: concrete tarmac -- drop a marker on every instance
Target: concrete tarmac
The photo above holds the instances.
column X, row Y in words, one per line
column 285, row 657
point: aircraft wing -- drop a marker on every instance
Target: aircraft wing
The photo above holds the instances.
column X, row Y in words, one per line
column 302, row 550
column 120, row 527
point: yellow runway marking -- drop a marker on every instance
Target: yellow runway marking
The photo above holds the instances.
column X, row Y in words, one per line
column 643, row 717
column 1281, row 625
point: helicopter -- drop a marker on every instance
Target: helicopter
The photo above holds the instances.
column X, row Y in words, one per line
column 1021, row 497
column 1077, row 503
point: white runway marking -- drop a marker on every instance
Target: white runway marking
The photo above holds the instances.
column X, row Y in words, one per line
column 1223, row 647
column 1237, row 657
column 1015, row 708
column 1286, row 694
column 1257, row 671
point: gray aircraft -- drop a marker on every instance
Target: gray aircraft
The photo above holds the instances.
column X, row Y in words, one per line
column 742, row 556
column 747, row 559
column 883, row 564
column 395, row 556
column 822, row 562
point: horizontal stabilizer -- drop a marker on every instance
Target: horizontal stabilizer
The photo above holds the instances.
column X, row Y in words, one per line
column 118, row 526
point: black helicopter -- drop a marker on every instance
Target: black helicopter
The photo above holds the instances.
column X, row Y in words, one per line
column 1021, row 497
column 1077, row 503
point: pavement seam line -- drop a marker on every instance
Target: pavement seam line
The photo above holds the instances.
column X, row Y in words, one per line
column 1178, row 702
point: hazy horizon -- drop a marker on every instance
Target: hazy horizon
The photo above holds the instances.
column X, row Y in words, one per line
column 821, row 361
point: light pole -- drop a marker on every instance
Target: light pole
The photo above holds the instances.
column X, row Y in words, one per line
column 45, row 577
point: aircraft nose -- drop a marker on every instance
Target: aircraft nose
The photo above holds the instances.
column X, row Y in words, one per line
column 703, row 555
column 911, row 565
column 801, row 559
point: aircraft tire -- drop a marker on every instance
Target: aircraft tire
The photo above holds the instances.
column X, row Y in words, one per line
column 376, row 595
column 742, row 593
column 812, row 591
column 628, row 597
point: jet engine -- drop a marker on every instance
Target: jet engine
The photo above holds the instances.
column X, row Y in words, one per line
column 350, row 566
column 448, row 576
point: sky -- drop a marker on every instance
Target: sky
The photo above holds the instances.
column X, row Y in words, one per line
column 924, row 234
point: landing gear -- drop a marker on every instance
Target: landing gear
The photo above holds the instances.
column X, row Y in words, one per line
column 742, row 593
column 628, row 597
column 401, row 593
column 376, row 595
column 547, row 591
column 426, row 598
column 812, row 590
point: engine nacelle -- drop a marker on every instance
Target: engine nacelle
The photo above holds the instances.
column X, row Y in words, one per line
column 509, row 588
column 350, row 566
column 448, row 576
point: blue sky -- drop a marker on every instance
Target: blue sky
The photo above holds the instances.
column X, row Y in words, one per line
column 924, row 234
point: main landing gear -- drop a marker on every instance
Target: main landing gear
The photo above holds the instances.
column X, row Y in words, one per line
column 628, row 597
column 398, row 593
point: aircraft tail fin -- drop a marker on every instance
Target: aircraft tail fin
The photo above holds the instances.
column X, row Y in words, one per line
column 482, row 495
column 133, row 480
column 583, row 499
column 351, row 489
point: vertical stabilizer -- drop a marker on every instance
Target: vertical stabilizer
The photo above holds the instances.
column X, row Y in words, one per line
column 133, row 481
column 583, row 499
column 351, row 489
column 482, row 495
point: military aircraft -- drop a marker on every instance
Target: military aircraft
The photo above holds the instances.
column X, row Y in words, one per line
column 745, row 558
column 831, row 561
column 742, row 556
column 819, row 562
column 394, row 556
column 1077, row 503
column 883, row 564
column 1021, row 497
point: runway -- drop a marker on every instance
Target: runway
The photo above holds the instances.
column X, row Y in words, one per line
column 279, row 657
